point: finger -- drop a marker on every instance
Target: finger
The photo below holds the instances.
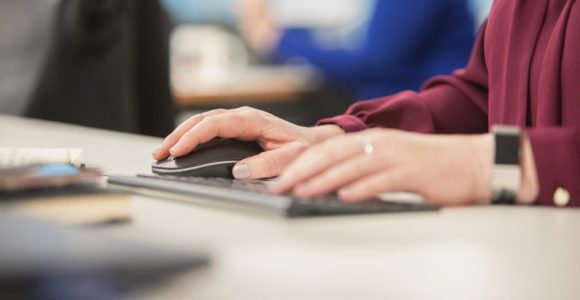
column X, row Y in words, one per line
column 178, row 133
column 373, row 185
column 340, row 176
column 317, row 159
column 232, row 124
column 267, row 164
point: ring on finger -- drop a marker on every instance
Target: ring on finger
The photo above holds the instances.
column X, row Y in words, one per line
column 367, row 145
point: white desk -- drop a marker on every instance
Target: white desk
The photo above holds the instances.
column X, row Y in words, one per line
column 461, row 253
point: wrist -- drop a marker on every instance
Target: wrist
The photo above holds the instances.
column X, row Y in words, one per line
column 530, row 187
column 483, row 150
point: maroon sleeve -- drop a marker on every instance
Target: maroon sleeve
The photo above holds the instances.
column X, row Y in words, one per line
column 557, row 156
column 446, row 104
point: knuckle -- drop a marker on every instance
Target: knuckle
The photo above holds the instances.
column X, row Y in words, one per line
column 211, row 121
column 236, row 118
column 194, row 118
column 243, row 109
column 250, row 114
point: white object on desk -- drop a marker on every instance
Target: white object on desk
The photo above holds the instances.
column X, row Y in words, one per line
column 12, row 157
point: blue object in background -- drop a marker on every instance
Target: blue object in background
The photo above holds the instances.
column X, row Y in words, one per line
column 406, row 43
column 53, row 170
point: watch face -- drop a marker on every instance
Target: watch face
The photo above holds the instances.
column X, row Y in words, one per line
column 507, row 149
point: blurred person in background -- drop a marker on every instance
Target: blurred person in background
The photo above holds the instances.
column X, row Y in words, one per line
column 95, row 63
column 403, row 43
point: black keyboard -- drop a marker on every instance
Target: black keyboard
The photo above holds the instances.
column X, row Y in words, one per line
column 258, row 194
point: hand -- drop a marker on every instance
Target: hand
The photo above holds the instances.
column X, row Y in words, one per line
column 282, row 141
column 447, row 170
column 257, row 26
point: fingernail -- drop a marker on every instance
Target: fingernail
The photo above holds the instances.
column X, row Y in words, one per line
column 241, row 171
column 156, row 151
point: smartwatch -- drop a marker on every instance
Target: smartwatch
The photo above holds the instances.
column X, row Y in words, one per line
column 506, row 175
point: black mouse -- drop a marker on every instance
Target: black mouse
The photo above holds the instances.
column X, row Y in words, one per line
column 215, row 158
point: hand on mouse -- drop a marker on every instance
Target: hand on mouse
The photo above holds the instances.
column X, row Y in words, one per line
column 445, row 169
column 282, row 141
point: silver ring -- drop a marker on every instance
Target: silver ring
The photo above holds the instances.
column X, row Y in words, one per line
column 368, row 147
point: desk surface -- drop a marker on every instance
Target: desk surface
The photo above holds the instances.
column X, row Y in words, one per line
column 459, row 253
column 264, row 85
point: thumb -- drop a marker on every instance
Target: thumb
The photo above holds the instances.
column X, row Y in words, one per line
column 268, row 163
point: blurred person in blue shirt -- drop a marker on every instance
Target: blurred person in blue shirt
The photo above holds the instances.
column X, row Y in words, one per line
column 403, row 44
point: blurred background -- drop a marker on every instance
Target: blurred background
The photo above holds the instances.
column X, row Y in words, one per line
column 142, row 66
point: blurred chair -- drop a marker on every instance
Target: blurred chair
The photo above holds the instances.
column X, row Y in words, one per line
column 107, row 67
column 23, row 44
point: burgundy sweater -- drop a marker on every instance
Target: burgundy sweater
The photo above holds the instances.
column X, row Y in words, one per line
column 524, row 71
